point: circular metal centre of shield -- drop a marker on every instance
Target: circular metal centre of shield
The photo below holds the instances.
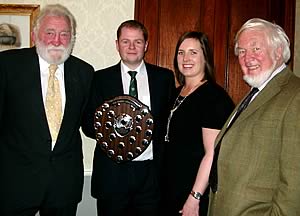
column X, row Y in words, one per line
column 123, row 124
column 123, row 128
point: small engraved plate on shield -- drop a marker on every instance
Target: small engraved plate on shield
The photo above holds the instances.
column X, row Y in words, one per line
column 123, row 127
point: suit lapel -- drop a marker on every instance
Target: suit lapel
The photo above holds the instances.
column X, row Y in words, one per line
column 154, row 92
column 270, row 90
column 115, row 77
column 37, row 93
column 71, row 90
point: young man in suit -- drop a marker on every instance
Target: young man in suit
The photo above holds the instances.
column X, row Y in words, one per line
column 258, row 163
column 130, row 188
column 41, row 161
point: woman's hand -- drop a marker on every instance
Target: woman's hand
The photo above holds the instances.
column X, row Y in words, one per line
column 190, row 207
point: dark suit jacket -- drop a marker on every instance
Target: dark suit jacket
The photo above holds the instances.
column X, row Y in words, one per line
column 28, row 167
column 258, row 165
column 107, row 84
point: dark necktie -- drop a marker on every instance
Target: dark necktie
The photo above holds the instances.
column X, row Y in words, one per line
column 213, row 177
column 133, row 84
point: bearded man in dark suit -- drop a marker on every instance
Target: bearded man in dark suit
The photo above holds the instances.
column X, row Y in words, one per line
column 41, row 162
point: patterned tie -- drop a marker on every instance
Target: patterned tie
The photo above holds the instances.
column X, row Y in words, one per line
column 133, row 84
column 53, row 103
column 213, row 177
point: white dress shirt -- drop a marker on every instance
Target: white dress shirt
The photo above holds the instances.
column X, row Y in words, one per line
column 143, row 96
column 59, row 74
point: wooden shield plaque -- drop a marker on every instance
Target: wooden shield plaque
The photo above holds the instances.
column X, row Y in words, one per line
column 124, row 128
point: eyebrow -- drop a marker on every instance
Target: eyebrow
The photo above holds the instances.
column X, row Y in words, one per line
column 54, row 30
column 193, row 49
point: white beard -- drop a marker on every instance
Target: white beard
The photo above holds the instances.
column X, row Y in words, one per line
column 43, row 51
column 258, row 79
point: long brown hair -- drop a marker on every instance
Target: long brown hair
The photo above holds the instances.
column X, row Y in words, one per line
column 207, row 52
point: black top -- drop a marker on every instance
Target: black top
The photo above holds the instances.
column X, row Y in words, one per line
column 207, row 107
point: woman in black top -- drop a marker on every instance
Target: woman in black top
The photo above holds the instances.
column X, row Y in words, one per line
column 200, row 109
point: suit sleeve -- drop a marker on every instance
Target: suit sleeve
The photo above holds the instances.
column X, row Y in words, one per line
column 94, row 101
column 2, row 86
column 88, row 117
column 286, row 200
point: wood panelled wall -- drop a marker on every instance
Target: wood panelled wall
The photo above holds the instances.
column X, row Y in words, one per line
column 166, row 20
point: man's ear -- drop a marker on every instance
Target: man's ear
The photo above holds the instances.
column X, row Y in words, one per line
column 33, row 37
column 117, row 45
column 146, row 46
column 278, row 53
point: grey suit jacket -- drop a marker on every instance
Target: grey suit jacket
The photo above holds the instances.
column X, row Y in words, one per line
column 258, row 165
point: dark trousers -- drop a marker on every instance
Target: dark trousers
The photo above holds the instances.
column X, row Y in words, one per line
column 69, row 210
column 141, row 197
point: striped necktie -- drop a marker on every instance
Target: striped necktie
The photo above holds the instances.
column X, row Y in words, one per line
column 133, row 84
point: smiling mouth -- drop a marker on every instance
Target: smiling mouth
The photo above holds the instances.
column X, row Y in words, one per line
column 254, row 67
column 187, row 66
column 55, row 49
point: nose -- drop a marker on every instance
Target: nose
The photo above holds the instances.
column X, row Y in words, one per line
column 131, row 45
column 248, row 55
column 186, row 57
column 56, row 40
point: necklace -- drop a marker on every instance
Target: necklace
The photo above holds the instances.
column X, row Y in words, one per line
column 179, row 100
column 177, row 103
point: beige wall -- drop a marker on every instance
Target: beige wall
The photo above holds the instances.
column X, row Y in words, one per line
column 97, row 21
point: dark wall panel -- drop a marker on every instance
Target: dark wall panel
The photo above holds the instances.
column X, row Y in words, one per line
column 220, row 20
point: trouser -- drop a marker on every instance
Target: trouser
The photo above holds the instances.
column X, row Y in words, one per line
column 69, row 210
column 141, row 196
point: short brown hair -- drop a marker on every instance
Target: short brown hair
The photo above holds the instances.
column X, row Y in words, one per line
column 133, row 24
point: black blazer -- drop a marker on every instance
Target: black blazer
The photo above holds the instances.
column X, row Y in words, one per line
column 107, row 84
column 28, row 167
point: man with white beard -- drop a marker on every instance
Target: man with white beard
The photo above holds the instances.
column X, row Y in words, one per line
column 256, row 163
column 43, row 93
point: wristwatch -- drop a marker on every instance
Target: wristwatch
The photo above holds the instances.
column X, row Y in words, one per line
column 196, row 195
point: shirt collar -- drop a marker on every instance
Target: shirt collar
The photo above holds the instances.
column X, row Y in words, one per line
column 44, row 65
column 139, row 69
column 275, row 72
